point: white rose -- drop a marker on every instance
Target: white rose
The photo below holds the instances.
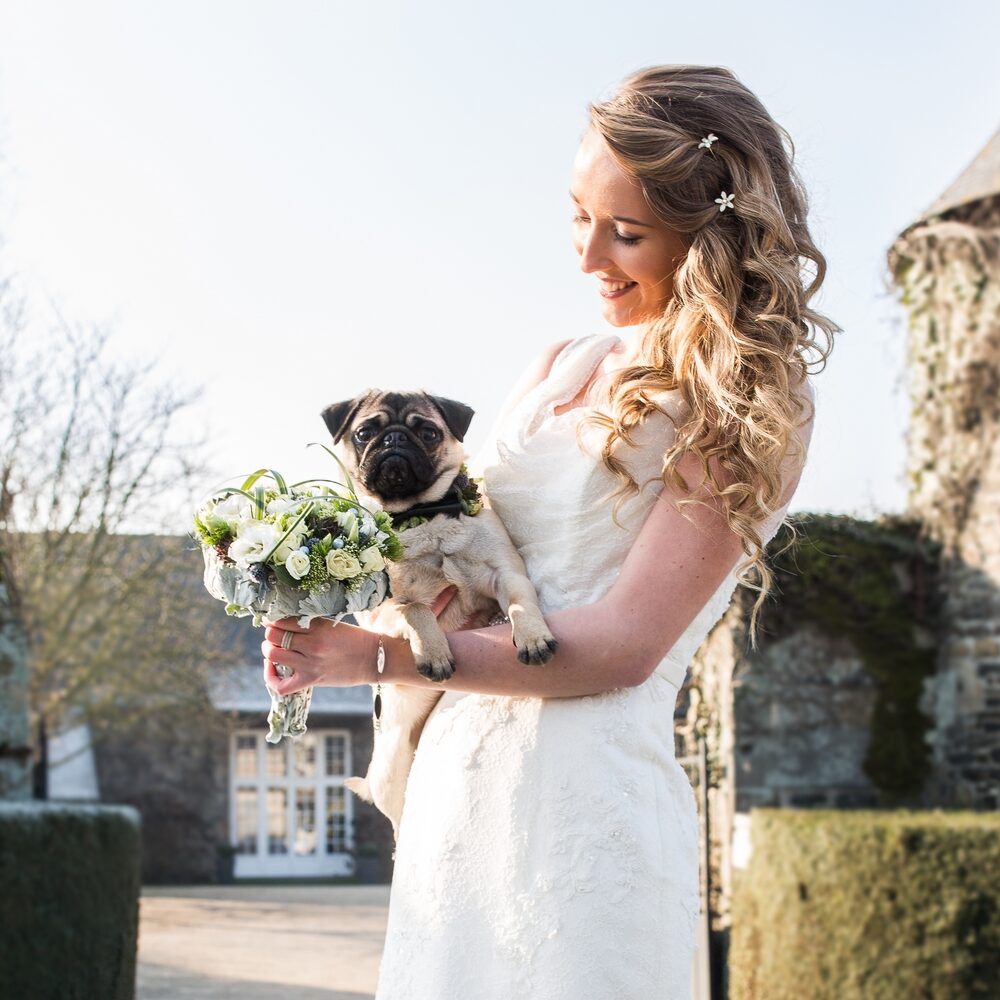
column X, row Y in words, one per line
column 342, row 565
column 297, row 564
column 371, row 559
column 254, row 540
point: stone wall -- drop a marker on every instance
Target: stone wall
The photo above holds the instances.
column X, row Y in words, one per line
column 175, row 774
column 948, row 269
column 825, row 711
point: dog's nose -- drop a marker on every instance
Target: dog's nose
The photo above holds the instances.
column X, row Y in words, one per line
column 394, row 439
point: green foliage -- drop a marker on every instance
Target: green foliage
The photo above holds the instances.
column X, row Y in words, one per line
column 212, row 531
column 468, row 492
column 873, row 583
column 868, row 906
column 69, row 902
column 412, row 522
column 317, row 574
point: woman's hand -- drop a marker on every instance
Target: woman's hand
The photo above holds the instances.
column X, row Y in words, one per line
column 333, row 654
column 330, row 653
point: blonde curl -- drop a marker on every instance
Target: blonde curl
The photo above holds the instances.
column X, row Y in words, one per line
column 738, row 337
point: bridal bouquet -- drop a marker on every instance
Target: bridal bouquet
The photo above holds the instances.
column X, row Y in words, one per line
column 302, row 551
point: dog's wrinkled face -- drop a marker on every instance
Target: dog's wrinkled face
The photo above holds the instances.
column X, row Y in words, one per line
column 403, row 447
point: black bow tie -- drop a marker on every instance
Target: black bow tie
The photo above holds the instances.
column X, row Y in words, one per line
column 450, row 504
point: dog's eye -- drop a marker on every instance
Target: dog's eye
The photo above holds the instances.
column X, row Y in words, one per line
column 363, row 434
column 429, row 434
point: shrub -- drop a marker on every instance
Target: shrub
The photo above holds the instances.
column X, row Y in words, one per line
column 868, row 906
column 69, row 901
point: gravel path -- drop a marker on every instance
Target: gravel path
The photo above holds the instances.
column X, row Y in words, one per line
column 253, row 942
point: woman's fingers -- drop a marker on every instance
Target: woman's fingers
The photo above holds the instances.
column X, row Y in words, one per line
column 283, row 685
column 291, row 625
column 341, row 655
column 443, row 600
column 277, row 653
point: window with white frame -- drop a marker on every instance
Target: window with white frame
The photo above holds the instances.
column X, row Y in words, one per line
column 289, row 811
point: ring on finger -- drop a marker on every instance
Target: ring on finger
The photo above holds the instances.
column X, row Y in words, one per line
column 286, row 640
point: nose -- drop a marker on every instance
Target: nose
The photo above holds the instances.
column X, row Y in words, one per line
column 593, row 251
column 394, row 439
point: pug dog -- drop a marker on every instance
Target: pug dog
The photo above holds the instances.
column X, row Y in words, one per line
column 404, row 452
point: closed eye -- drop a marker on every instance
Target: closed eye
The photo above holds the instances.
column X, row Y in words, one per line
column 629, row 241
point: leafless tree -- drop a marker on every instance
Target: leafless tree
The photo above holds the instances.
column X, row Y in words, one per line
column 92, row 469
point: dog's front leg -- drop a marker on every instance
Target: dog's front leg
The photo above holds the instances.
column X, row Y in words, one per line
column 515, row 594
column 428, row 642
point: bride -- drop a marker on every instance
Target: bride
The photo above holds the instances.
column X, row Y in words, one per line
column 548, row 843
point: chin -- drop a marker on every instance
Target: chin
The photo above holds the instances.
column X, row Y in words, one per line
column 620, row 318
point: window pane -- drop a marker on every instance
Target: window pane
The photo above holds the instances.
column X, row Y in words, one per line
column 305, row 756
column 336, row 828
column 336, row 755
column 305, row 821
column 277, row 821
column 246, row 756
column 277, row 759
column 246, row 820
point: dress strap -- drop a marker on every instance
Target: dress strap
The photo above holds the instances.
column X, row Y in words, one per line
column 573, row 368
column 570, row 370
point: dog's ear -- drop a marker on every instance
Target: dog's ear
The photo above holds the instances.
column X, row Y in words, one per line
column 456, row 415
column 339, row 415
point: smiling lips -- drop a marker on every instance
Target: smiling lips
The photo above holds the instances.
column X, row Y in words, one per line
column 615, row 289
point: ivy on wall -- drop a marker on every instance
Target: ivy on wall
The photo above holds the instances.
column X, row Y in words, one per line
column 875, row 584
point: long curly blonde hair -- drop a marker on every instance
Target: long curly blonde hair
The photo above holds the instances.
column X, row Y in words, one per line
column 737, row 336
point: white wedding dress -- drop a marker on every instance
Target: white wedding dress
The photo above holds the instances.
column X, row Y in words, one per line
column 548, row 848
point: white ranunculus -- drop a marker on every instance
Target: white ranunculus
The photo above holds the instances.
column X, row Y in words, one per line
column 371, row 559
column 233, row 509
column 342, row 565
column 282, row 505
column 297, row 564
column 254, row 540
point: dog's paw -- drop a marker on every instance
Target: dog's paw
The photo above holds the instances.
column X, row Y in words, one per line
column 360, row 788
column 536, row 649
column 437, row 668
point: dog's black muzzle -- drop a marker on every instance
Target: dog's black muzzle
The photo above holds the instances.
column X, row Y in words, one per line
column 395, row 467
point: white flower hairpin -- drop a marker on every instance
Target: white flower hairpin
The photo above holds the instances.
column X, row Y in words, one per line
column 706, row 143
column 725, row 201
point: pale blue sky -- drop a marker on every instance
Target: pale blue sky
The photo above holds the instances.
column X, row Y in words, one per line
column 289, row 202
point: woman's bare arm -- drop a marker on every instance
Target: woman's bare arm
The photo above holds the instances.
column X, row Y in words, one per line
column 674, row 566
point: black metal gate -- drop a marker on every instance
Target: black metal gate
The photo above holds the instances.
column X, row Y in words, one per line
column 703, row 986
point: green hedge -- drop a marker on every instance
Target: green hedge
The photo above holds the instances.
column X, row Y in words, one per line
column 868, row 906
column 69, row 901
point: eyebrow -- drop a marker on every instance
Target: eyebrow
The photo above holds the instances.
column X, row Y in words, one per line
column 620, row 218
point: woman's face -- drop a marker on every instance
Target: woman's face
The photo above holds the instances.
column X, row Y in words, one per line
column 632, row 253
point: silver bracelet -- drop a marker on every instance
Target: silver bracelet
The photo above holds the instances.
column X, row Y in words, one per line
column 379, row 668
